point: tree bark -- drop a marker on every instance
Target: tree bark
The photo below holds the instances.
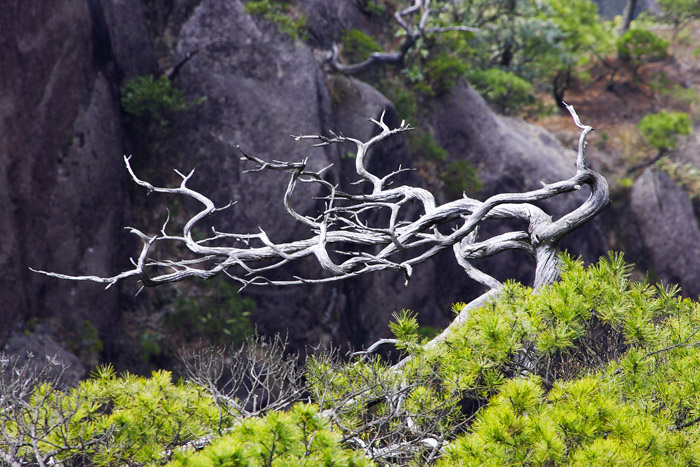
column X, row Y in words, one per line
column 627, row 15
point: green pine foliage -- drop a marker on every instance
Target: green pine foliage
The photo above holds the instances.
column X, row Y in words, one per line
column 112, row 420
column 679, row 12
column 218, row 313
column 635, row 405
column 442, row 72
column 461, row 177
column 503, row 89
column 300, row 437
column 579, row 422
column 593, row 370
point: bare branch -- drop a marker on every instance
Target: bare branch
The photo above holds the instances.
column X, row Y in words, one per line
column 412, row 32
column 248, row 257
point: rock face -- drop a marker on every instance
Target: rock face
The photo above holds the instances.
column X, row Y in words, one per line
column 65, row 196
column 61, row 185
column 660, row 232
column 261, row 87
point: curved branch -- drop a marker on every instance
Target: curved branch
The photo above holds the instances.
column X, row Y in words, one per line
column 411, row 36
column 248, row 257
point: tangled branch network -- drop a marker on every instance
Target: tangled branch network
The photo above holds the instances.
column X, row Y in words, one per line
column 399, row 242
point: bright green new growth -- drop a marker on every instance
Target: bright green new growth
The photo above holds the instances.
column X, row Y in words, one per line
column 611, row 379
column 609, row 364
column 300, row 437
column 662, row 129
column 145, row 96
column 110, row 420
column 594, row 369
column 580, row 422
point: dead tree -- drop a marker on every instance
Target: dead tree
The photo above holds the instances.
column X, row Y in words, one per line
column 396, row 239
column 413, row 30
column 401, row 244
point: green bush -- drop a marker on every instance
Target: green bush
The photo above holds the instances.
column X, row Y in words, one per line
column 662, row 129
column 580, row 422
column 373, row 8
column 145, row 96
column 607, row 364
column 509, row 93
column 443, row 72
column 281, row 14
column 639, row 46
column 461, row 177
column 109, row 420
column 684, row 174
column 357, row 46
column 300, row 437
column 678, row 12
column 594, row 369
column 85, row 342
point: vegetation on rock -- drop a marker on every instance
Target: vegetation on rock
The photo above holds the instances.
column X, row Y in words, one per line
column 281, row 14
column 154, row 98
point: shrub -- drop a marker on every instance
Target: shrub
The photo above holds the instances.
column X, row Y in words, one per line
column 357, row 46
column 423, row 145
column 581, row 422
column 108, row 420
column 639, row 46
column 509, row 93
column 594, row 369
column 373, row 8
column 678, row 12
column 441, row 73
column 684, row 174
column 661, row 130
column 300, row 436
column 281, row 15
column 145, row 96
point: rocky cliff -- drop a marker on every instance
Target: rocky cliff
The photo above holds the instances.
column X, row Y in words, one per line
column 65, row 195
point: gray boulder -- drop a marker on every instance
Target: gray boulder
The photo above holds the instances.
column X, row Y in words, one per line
column 511, row 155
column 45, row 356
column 660, row 232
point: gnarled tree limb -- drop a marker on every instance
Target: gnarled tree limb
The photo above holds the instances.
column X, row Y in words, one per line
column 404, row 243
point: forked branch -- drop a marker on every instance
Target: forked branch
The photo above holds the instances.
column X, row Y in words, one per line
column 398, row 241
column 413, row 20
